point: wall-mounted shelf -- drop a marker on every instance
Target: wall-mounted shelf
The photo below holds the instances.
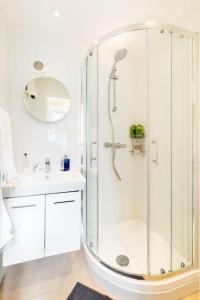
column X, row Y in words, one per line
column 138, row 145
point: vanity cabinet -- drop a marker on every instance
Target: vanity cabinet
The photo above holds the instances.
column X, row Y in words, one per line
column 43, row 225
column 62, row 223
column 27, row 216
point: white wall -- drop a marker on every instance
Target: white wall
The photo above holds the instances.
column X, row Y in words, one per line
column 39, row 139
column 5, row 87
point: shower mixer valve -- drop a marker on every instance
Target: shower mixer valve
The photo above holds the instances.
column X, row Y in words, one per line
column 116, row 145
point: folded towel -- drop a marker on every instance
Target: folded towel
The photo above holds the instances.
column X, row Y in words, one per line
column 7, row 164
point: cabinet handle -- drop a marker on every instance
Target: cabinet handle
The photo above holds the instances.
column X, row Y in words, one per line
column 60, row 202
column 24, row 206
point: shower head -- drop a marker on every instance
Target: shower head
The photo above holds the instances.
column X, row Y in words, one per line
column 120, row 54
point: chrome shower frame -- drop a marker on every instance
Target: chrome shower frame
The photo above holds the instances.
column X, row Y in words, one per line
column 142, row 26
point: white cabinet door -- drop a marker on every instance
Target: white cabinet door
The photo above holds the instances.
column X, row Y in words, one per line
column 27, row 216
column 63, row 213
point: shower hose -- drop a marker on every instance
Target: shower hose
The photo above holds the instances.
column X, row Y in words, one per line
column 113, row 132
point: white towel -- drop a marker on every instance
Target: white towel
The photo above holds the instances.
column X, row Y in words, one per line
column 7, row 164
column 7, row 171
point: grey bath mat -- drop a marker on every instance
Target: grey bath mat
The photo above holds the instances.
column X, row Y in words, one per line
column 82, row 292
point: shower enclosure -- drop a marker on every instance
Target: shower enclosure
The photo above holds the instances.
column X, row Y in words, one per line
column 138, row 142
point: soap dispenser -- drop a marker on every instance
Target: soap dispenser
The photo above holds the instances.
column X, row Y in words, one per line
column 65, row 163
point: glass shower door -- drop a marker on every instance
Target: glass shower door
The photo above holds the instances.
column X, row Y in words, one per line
column 159, row 156
column 91, row 224
column 182, row 151
column 170, row 188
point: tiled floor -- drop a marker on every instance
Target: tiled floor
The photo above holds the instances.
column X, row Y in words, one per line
column 47, row 279
column 50, row 279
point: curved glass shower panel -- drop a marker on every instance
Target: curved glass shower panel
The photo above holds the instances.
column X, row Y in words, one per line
column 182, row 151
column 83, row 143
column 123, row 103
column 159, row 172
column 92, row 150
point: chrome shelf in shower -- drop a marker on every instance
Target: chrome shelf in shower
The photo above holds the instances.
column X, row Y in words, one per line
column 138, row 145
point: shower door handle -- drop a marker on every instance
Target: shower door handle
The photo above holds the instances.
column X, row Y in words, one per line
column 93, row 155
column 155, row 151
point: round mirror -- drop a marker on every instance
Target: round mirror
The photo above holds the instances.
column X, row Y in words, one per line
column 47, row 99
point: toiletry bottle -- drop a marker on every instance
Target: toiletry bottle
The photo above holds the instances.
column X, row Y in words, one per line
column 25, row 164
column 65, row 163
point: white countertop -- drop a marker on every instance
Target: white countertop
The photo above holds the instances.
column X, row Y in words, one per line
column 38, row 183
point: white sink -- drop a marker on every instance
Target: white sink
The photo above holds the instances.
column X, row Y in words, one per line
column 40, row 183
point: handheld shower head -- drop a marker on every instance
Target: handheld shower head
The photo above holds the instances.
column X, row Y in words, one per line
column 120, row 54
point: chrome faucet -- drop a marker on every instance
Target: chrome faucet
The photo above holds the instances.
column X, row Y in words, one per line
column 47, row 167
column 35, row 167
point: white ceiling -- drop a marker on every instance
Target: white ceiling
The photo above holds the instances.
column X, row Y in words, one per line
column 83, row 21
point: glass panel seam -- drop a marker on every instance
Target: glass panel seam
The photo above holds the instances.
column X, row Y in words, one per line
column 171, row 162
column 148, row 157
column 97, row 112
column 193, row 153
column 86, row 123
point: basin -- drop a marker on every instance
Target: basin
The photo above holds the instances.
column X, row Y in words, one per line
column 41, row 183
